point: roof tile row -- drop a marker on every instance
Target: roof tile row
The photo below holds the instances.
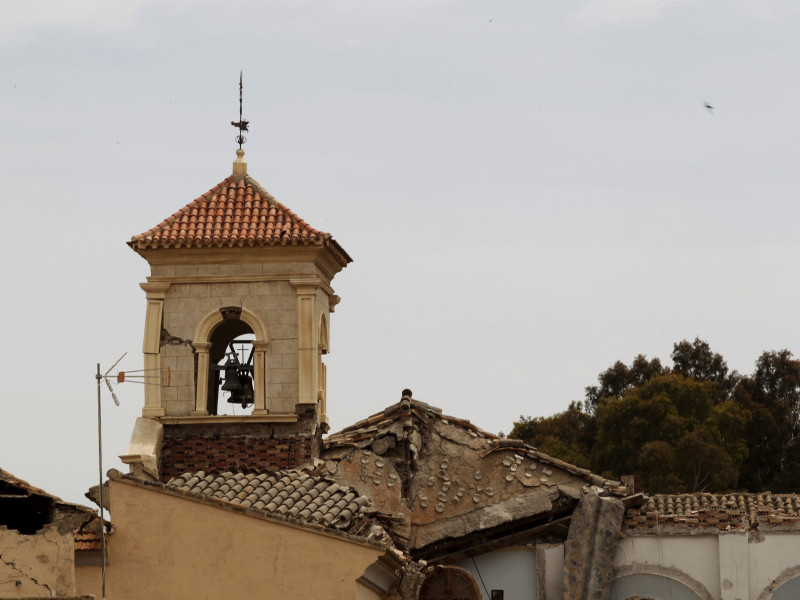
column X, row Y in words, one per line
column 718, row 511
column 231, row 214
column 292, row 494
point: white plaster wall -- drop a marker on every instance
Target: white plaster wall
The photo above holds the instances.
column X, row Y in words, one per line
column 730, row 566
column 771, row 557
column 512, row 570
column 695, row 556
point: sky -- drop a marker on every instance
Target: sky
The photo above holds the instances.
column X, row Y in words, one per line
column 530, row 192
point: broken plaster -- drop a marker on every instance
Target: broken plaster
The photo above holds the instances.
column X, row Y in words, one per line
column 36, row 562
column 168, row 339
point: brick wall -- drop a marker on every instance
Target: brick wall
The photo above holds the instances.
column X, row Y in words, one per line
column 232, row 446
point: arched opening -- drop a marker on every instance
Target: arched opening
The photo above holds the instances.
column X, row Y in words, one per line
column 646, row 586
column 449, row 583
column 230, row 385
column 788, row 590
column 232, row 342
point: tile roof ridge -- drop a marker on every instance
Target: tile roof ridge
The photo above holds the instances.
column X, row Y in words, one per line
column 248, row 180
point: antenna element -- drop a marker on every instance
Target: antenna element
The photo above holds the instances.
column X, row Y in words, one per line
column 242, row 124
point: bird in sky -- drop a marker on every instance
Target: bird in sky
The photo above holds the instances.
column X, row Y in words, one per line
column 709, row 108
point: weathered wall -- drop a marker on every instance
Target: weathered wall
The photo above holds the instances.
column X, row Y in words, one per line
column 37, row 565
column 167, row 546
column 726, row 566
column 773, row 558
column 272, row 446
column 685, row 558
column 88, row 579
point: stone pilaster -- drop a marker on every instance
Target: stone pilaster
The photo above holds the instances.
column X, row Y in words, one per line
column 151, row 346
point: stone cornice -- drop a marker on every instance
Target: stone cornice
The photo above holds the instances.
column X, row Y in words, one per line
column 199, row 419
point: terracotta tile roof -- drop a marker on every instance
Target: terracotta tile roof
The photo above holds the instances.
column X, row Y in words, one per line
column 390, row 420
column 9, row 481
column 292, row 495
column 87, row 540
column 235, row 214
column 715, row 511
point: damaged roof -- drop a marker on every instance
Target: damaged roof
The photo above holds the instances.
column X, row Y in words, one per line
column 28, row 509
column 393, row 420
column 8, row 480
column 723, row 512
column 452, row 486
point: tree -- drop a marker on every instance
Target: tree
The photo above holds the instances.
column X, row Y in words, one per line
column 569, row 435
column 694, row 426
column 772, row 395
column 703, row 465
column 696, row 360
column 656, row 468
column 663, row 409
column 619, row 377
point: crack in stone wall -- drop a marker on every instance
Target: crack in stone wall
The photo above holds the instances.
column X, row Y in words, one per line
column 169, row 339
column 36, row 582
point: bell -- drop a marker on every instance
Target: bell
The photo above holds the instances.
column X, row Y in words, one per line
column 232, row 384
column 244, row 394
column 248, row 397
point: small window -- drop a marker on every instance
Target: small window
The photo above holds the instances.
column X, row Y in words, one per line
column 449, row 583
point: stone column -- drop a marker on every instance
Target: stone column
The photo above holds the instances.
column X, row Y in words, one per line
column 591, row 545
column 307, row 350
column 203, row 365
column 151, row 346
column 260, row 374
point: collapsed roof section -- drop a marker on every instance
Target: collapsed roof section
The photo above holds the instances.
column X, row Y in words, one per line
column 27, row 509
column 453, row 487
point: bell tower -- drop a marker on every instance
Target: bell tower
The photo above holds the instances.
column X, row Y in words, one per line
column 238, row 306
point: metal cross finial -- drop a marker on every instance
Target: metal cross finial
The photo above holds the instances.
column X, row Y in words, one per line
column 242, row 124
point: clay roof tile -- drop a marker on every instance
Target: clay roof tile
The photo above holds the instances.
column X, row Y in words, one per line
column 234, row 214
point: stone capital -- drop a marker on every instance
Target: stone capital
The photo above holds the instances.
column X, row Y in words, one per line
column 155, row 290
column 260, row 345
column 306, row 286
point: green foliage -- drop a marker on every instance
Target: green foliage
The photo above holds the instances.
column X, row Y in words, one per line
column 619, row 377
column 772, row 395
column 672, row 410
column 694, row 426
column 703, row 465
column 696, row 360
column 568, row 435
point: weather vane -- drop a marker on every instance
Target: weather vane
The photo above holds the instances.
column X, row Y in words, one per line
column 242, row 124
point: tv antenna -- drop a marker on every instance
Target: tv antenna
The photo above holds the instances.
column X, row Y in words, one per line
column 162, row 377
